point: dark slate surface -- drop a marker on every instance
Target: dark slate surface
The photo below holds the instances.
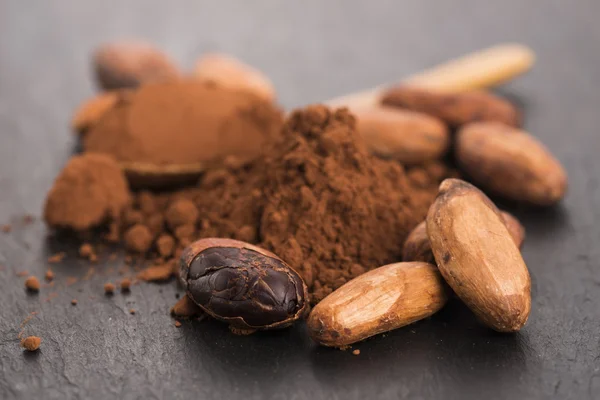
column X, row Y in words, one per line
column 312, row 51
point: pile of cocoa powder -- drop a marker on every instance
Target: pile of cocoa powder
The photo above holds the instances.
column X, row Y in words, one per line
column 315, row 196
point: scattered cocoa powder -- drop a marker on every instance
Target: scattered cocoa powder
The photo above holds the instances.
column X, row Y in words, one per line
column 156, row 273
column 71, row 280
column 90, row 190
column 125, row 284
column 109, row 288
column 51, row 296
column 177, row 324
column 22, row 273
column 185, row 122
column 6, row 228
column 86, row 251
column 56, row 258
column 49, row 275
column 186, row 308
column 32, row 284
column 31, row 343
column 28, row 219
column 90, row 272
column 25, row 322
column 74, row 302
column 131, row 311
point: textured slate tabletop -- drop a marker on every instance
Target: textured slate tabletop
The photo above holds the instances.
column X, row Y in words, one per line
column 313, row 51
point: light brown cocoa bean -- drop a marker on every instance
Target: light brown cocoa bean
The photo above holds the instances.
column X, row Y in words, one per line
column 378, row 301
column 418, row 248
column 453, row 108
column 478, row 257
column 230, row 72
column 511, row 163
column 130, row 64
column 407, row 136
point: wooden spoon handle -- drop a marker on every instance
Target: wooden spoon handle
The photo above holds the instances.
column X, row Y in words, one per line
column 482, row 69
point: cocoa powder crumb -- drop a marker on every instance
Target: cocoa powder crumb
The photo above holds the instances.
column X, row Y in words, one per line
column 131, row 311
column 185, row 232
column 186, row 308
column 156, row 223
column 6, row 228
column 156, row 273
column 165, row 244
column 56, row 258
column 90, row 190
column 86, row 251
column 356, row 352
column 32, row 284
column 125, row 284
column 177, row 324
column 109, row 288
column 31, row 343
column 146, row 203
column 138, row 239
column 74, row 302
column 49, row 275
column 181, row 212
column 132, row 217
